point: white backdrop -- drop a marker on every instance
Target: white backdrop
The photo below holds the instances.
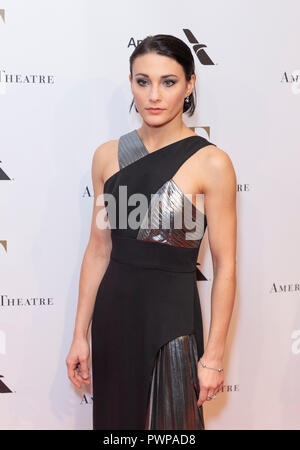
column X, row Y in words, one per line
column 64, row 90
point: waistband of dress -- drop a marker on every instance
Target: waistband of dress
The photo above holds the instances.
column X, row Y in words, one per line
column 148, row 254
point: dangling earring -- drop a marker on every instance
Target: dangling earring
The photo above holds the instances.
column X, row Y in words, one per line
column 187, row 99
column 133, row 103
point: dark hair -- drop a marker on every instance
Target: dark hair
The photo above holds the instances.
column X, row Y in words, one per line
column 173, row 47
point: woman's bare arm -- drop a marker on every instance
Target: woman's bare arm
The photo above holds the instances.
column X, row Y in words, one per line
column 219, row 186
column 96, row 256
column 220, row 208
column 93, row 267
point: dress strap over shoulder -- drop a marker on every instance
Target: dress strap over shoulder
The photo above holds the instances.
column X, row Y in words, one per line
column 130, row 149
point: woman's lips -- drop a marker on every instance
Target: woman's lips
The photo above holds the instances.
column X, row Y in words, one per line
column 154, row 110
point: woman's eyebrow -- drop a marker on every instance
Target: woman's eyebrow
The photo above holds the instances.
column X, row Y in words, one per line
column 163, row 76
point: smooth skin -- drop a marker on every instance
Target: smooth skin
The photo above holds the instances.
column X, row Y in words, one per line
column 209, row 171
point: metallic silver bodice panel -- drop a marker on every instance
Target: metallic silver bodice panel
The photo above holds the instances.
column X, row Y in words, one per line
column 171, row 217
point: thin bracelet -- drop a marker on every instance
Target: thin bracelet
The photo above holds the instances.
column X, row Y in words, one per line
column 213, row 368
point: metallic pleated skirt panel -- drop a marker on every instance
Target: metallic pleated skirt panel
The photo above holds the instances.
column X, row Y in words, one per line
column 174, row 388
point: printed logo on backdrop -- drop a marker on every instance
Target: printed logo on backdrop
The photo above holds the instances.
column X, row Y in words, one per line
column 230, row 388
column 243, row 187
column 14, row 302
column 198, row 48
column 293, row 79
column 87, row 192
column 4, row 389
column 284, row 288
column 2, row 15
column 3, row 244
column 3, row 175
column 86, row 399
column 7, row 78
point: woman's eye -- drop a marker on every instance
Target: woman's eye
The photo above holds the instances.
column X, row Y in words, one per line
column 170, row 81
column 142, row 82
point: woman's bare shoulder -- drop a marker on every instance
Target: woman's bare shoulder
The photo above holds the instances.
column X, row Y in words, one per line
column 103, row 156
column 105, row 149
column 216, row 165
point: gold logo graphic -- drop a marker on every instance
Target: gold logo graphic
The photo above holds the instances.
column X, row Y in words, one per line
column 206, row 129
column 4, row 245
column 2, row 14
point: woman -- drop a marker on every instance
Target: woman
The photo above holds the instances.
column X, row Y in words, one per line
column 138, row 282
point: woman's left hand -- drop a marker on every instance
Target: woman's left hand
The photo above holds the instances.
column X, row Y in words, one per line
column 210, row 381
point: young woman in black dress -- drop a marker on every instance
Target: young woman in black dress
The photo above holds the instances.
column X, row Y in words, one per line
column 150, row 369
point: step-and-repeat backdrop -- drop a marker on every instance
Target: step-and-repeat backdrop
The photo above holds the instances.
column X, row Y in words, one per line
column 64, row 90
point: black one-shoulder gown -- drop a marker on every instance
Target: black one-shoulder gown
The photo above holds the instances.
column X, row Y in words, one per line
column 147, row 334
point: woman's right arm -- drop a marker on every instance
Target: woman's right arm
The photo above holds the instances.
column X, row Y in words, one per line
column 93, row 268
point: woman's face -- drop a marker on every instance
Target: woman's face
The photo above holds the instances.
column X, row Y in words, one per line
column 159, row 82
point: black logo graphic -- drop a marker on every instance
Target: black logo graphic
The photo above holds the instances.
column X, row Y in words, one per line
column 198, row 49
column 3, row 388
column 3, row 175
